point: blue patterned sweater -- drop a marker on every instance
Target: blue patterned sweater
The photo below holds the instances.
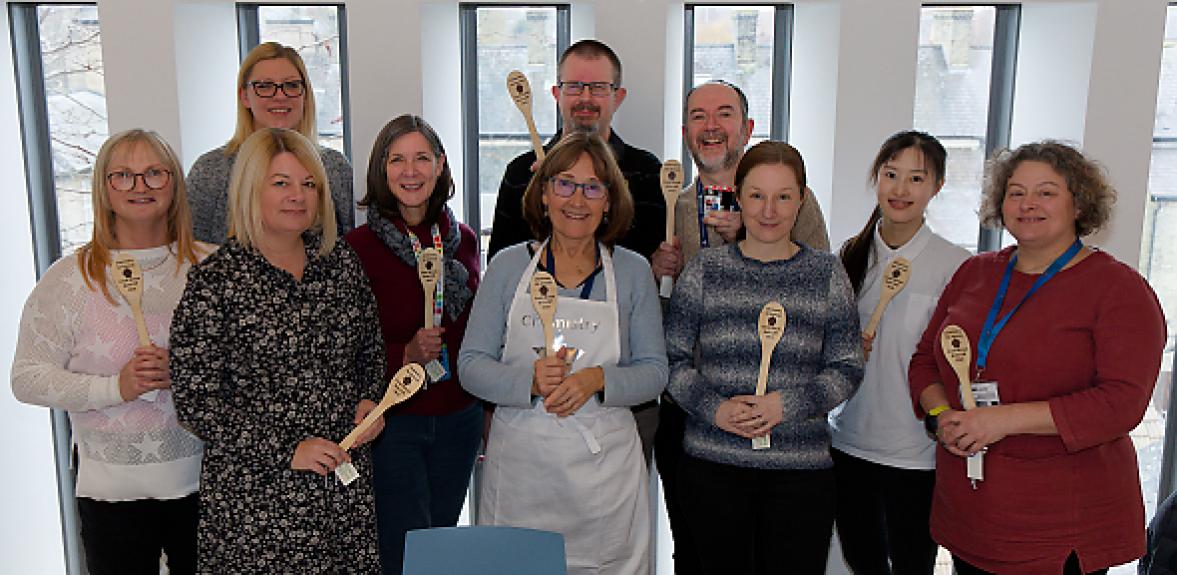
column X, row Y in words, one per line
column 817, row 364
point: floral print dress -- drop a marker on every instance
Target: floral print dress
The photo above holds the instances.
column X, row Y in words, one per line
column 260, row 362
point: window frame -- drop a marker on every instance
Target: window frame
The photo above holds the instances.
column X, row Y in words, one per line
column 782, row 67
column 1003, row 71
column 249, row 36
column 468, row 38
column 41, row 187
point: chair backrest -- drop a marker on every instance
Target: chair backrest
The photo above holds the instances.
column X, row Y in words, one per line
column 484, row 550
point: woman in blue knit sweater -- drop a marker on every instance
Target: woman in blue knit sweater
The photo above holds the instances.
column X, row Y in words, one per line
column 765, row 510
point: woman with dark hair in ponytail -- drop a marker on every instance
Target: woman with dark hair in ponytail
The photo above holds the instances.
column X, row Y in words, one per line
column 883, row 457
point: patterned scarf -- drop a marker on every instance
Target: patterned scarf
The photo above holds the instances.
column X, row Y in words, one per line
column 457, row 293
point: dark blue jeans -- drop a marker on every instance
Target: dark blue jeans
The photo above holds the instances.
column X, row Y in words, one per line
column 421, row 468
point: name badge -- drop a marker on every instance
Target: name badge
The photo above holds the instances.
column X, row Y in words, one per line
column 985, row 393
column 438, row 369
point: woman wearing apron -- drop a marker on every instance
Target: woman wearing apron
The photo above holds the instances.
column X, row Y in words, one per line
column 563, row 453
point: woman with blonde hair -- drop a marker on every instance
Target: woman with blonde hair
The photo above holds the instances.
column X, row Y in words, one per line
column 273, row 91
column 79, row 350
column 277, row 356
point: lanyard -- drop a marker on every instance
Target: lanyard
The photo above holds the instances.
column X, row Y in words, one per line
column 439, row 298
column 699, row 208
column 550, row 263
column 993, row 326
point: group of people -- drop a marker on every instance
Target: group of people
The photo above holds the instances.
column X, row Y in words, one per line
column 275, row 326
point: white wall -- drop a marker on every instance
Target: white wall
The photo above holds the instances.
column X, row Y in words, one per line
column 1088, row 74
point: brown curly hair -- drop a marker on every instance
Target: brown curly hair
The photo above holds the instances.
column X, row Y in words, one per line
column 1086, row 180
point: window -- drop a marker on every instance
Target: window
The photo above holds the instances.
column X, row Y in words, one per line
column 495, row 41
column 1158, row 262
column 964, row 97
column 319, row 34
column 58, row 54
column 749, row 46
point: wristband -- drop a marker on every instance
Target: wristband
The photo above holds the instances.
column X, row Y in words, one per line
column 935, row 411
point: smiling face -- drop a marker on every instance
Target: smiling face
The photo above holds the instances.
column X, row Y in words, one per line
column 585, row 112
column 906, row 183
column 289, row 197
column 140, row 204
column 1038, row 208
column 575, row 217
column 715, row 130
column 412, row 174
column 769, row 196
column 280, row 111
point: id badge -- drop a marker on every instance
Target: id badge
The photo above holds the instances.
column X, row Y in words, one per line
column 438, row 370
column 985, row 393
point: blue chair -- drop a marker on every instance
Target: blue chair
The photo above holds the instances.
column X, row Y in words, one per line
column 484, row 550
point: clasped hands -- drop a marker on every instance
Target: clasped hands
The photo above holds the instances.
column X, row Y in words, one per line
column 964, row 433
column 750, row 416
column 564, row 393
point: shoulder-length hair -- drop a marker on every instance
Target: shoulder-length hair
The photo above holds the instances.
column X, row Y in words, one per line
column 249, row 178
column 562, row 157
column 94, row 257
column 272, row 51
column 379, row 195
column 1089, row 186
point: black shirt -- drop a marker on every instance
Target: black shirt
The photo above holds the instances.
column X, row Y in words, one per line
column 641, row 170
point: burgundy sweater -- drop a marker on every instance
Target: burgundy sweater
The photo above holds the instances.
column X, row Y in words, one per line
column 1089, row 343
column 400, row 302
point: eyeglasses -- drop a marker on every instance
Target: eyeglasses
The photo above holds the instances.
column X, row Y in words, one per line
column 597, row 89
column 564, row 188
column 153, row 178
column 268, row 89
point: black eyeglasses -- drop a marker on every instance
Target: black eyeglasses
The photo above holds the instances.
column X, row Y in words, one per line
column 124, row 180
column 564, row 188
column 597, row 89
column 268, row 89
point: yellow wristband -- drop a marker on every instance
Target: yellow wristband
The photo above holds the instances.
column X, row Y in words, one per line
column 935, row 411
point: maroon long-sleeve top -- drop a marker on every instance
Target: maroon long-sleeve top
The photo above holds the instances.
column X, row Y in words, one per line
column 400, row 301
column 1089, row 343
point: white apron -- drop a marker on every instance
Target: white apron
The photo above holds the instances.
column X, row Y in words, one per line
column 582, row 476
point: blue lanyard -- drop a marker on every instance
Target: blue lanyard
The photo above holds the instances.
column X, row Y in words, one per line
column 993, row 326
column 699, row 208
column 588, row 283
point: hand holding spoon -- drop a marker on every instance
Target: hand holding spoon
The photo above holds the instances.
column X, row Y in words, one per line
column 671, row 178
column 770, row 328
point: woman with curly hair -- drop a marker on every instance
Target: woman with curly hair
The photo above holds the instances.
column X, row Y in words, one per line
column 1067, row 344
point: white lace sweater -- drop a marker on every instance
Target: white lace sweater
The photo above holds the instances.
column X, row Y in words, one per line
column 71, row 347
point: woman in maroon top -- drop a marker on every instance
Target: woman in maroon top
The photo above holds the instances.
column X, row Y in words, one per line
column 1071, row 349
column 422, row 461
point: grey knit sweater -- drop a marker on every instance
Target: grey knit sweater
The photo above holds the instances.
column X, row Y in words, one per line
column 208, row 192
column 817, row 364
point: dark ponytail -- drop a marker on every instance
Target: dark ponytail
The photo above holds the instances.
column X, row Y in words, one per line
column 855, row 253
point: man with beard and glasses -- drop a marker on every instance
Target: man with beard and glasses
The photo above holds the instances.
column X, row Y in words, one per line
column 716, row 128
column 588, row 92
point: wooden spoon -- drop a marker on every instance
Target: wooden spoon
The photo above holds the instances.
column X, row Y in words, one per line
column 543, row 299
column 128, row 278
column 770, row 327
column 429, row 271
column 520, row 90
column 404, row 384
column 954, row 342
column 671, row 186
column 894, row 280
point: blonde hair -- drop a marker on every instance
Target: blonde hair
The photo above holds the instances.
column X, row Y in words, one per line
column 249, row 177
column 94, row 257
column 245, row 127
